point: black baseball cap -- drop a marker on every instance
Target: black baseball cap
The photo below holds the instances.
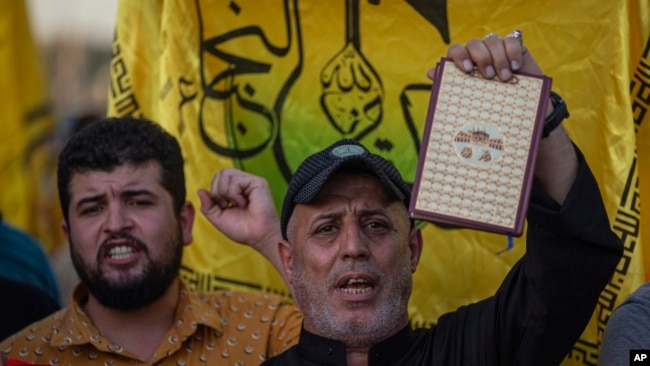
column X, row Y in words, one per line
column 313, row 173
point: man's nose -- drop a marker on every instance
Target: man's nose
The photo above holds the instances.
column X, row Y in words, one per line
column 117, row 219
column 354, row 243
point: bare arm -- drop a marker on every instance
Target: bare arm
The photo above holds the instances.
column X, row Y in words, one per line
column 241, row 206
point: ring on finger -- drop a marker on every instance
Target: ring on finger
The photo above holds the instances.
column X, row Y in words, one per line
column 516, row 34
column 490, row 35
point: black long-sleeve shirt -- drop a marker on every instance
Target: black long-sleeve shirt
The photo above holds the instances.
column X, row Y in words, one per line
column 536, row 315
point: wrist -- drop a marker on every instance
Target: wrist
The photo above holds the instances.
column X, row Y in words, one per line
column 557, row 115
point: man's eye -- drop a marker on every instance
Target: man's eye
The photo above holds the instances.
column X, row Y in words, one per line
column 376, row 226
column 140, row 203
column 88, row 211
column 325, row 229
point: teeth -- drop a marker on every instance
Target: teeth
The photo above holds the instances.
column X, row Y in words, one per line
column 352, row 281
column 356, row 291
column 120, row 252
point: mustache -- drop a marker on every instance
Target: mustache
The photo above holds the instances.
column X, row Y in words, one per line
column 365, row 267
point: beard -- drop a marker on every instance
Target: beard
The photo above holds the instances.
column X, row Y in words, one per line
column 354, row 331
column 131, row 292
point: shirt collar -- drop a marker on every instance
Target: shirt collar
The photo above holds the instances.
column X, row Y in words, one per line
column 76, row 328
column 332, row 352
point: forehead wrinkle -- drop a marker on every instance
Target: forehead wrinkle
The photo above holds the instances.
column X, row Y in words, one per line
column 335, row 210
column 348, row 189
column 96, row 185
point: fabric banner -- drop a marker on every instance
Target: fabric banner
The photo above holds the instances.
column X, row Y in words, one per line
column 260, row 85
column 28, row 199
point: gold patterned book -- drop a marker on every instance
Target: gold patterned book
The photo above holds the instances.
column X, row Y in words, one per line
column 478, row 150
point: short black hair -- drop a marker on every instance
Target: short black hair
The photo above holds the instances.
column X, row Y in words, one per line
column 115, row 141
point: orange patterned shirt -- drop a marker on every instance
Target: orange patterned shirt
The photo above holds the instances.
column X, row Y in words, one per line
column 211, row 328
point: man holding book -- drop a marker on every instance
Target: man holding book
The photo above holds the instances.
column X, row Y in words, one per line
column 350, row 248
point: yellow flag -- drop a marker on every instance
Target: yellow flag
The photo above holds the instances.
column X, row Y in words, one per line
column 28, row 197
column 260, row 85
column 640, row 98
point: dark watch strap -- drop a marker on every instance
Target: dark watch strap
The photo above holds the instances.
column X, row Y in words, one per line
column 559, row 113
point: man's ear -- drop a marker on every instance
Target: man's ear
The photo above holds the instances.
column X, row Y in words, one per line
column 286, row 259
column 186, row 218
column 415, row 246
column 66, row 231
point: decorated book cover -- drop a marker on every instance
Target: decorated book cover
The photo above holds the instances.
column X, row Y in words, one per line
column 478, row 150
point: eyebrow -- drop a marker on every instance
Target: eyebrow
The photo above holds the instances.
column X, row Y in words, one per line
column 362, row 212
column 91, row 199
column 125, row 194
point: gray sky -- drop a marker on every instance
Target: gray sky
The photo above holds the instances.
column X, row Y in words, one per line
column 90, row 21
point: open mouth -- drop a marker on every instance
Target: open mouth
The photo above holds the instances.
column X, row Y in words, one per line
column 356, row 285
column 121, row 252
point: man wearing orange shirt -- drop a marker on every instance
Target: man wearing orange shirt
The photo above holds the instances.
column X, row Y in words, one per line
column 122, row 192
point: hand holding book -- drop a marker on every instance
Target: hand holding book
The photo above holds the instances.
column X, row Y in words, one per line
column 481, row 137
